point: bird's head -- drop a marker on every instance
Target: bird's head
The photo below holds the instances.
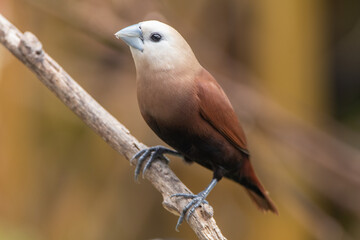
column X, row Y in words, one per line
column 158, row 47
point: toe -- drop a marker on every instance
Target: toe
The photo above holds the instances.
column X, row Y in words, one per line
column 184, row 195
column 148, row 163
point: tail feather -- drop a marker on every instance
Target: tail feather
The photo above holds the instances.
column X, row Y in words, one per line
column 254, row 188
column 264, row 203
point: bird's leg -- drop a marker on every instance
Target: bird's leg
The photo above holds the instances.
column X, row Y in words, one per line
column 195, row 202
column 152, row 153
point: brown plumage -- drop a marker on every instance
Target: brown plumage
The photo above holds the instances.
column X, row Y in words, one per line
column 185, row 106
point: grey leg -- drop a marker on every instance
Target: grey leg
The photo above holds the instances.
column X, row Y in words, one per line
column 195, row 202
column 151, row 153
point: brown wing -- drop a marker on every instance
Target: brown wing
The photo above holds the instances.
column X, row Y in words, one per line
column 216, row 109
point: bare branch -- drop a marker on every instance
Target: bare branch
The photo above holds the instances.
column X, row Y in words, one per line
column 27, row 48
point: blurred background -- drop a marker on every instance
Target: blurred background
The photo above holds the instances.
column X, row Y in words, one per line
column 290, row 68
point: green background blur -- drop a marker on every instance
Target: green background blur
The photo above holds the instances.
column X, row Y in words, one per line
column 59, row 180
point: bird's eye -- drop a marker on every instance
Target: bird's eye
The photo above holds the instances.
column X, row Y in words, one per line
column 155, row 37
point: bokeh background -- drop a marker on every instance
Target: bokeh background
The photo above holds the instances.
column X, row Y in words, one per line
column 290, row 68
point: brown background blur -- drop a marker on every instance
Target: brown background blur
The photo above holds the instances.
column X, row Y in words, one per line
column 58, row 180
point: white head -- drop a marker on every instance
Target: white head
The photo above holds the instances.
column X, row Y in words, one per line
column 156, row 46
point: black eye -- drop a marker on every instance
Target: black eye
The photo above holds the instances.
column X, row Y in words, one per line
column 155, row 37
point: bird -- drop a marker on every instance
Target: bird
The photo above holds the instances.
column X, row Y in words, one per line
column 186, row 107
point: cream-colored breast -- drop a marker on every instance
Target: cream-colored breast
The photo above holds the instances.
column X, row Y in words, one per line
column 166, row 97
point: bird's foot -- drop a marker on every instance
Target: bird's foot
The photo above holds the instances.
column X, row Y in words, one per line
column 189, row 209
column 196, row 201
column 151, row 153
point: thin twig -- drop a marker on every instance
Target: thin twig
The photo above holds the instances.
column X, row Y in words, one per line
column 27, row 48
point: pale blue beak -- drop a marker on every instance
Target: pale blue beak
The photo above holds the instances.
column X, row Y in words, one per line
column 132, row 36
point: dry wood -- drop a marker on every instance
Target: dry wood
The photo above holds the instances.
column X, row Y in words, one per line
column 28, row 49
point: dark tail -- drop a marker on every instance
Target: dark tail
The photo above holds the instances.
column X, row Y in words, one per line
column 253, row 187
